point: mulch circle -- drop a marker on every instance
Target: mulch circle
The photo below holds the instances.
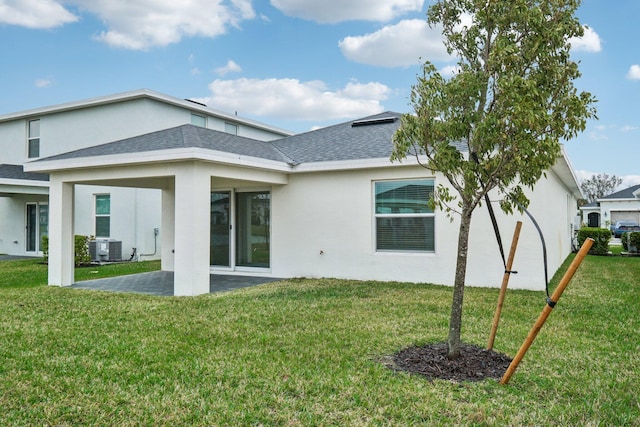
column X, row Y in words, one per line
column 430, row 361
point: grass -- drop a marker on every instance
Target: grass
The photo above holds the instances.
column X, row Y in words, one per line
column 307, row 352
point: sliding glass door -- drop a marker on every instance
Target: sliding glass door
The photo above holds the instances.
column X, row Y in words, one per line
column 240, row 229
column 253, row 219
column 37, row 225
column 220, row 252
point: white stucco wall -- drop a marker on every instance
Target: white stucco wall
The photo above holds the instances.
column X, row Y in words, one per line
column 67, row 130
column 13, row 142
column 323, row 226
column 135, row 212
column 13, row 223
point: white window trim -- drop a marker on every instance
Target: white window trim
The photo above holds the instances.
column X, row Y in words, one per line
column 32, row 138
column 96, row 215
column 396, row 215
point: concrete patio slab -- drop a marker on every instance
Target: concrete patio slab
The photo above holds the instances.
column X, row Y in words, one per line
column 161, row 283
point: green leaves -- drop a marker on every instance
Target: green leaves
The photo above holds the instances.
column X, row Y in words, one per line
column 512, row 102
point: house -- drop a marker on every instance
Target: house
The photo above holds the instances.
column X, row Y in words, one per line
column 325, row 203
column 129, row 216
column 618, row 206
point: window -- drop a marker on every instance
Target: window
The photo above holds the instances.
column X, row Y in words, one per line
column 103, row 215
column 231, row 128
column 403, row 219
column 198, row 120
column 33, row 139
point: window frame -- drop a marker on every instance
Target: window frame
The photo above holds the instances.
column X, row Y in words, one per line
column 229, row 125
column 33, row 139
column 199, row 117
column 378, row 216
column 97, row 215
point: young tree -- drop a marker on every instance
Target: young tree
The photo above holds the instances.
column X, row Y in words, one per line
column 497, row 122
column 599, row 185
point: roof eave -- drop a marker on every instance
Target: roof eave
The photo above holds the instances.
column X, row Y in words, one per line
column 563, row 169
column 153, row 157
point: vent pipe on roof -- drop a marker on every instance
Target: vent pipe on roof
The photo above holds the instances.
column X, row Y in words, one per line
column 378, row 121
column 195, row 102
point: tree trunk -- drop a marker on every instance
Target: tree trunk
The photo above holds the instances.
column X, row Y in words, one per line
column 455, row 323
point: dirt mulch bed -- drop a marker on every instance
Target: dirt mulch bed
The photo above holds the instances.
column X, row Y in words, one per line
column 474, row 363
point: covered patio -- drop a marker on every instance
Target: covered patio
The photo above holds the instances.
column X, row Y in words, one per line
column 186, row 164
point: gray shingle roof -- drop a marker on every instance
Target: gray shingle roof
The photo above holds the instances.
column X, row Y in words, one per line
column 17, row 172
column 343, row 141
column 185, row 136
column 367, row 138
column 627, row 193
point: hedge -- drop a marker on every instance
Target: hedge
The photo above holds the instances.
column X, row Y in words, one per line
column 81, row 246
column 601, row 237
column 630, row 239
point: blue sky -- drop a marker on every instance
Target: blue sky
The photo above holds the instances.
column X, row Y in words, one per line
column 296, row 64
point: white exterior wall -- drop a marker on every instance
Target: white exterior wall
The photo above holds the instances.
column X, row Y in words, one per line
column 13, row 142
column 70, row 130
column 135, row 212
column 323, row 226
column 13, row 232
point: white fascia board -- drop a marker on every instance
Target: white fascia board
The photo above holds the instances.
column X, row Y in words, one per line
column 589, row 208
column 24, row 183
column 617, row 200
column 163, row 156
column 331, row 166
column 136, row 94
column 563, row 169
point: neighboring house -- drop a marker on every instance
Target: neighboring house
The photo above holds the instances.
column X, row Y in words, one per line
column 127, row 215
column 619, row 206
column 325, row 203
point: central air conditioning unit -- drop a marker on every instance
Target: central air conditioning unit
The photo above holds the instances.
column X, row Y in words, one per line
column 103, row 250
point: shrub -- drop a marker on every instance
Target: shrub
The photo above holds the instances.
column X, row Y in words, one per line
column 44, row 245
column 631, row 241
column 82, row 249
column 601, row 237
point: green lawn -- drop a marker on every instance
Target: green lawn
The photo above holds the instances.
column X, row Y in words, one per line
column 307, row 352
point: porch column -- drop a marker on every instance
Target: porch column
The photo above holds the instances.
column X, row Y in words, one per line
column 192, row 229
column 168, row 227
column 61, row 247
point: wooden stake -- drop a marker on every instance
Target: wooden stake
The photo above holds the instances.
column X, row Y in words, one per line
column 505, row 283
column 547, row 309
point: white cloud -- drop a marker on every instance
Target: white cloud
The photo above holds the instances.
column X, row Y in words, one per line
column 331, row 11
column 296, row 100
column 629, row 181
column 230, row 67
column 140, row 24
column 41, row 83
column 399, row 45
column 628, row 128
column 634, row 72
column 449, row 71
column 35, row 13
column 589, row 42
column 598, row 136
